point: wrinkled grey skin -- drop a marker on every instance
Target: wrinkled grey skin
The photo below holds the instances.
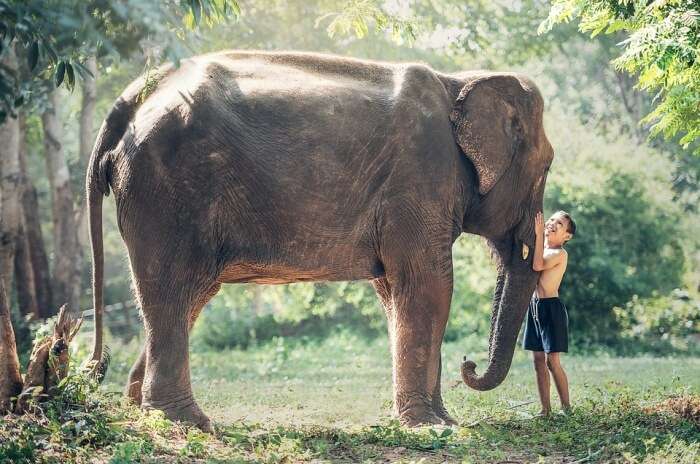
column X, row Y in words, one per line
column 288, row 167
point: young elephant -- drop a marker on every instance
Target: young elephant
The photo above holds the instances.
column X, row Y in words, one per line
column 290, row 167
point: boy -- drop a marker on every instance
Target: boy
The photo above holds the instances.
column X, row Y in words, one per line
column 546, row 329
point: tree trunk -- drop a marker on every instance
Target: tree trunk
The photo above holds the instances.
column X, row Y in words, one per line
column 35, row 243
column 25, row 283
column 10, row 377
column 24, row 277
column 67, row 252
column 9, row 186
column 258, row 304
column 50, row 359
column 37, row 251
column 87, row 138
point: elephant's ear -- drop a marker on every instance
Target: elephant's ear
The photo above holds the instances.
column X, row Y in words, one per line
column 488, row 126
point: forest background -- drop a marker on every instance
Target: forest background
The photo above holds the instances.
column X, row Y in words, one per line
column 303, row 372
column 634, row 274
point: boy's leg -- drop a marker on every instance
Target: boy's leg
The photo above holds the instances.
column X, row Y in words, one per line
column 560, row 379
column 542, row 381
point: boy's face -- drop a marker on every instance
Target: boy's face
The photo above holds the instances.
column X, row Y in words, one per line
column 556, row 230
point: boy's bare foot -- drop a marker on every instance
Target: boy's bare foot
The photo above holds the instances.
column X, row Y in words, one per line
column 544, row 413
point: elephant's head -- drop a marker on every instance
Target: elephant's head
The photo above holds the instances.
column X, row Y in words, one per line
column 497, row 121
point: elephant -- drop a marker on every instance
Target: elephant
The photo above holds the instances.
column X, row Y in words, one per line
column 283, row 167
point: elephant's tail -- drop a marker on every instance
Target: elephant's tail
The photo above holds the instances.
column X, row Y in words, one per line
column 97, row 184
column 98, row 181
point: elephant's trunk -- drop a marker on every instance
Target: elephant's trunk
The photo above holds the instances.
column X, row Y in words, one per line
column 497, row 293
column 513, row 291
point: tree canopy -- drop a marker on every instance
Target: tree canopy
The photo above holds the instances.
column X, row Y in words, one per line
column 55, row 38
column 662, row 48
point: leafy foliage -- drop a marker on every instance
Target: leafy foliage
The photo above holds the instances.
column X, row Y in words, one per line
column 55, row 37
column 658, row 322
column 247, row 315
column 74, row 420
column 662, row 48
column 355, row 16
column 617, row 252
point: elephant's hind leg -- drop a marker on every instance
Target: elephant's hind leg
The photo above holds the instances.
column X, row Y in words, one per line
column 135, row 383
column 170, row 295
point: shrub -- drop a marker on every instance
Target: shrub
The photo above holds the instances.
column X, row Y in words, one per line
column 626, row 244
column 660, row 323
column 474, row 281
column 246, row 315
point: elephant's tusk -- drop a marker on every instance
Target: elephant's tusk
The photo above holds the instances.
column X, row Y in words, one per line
column 526, row 251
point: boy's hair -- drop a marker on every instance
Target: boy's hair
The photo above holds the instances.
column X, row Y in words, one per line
column 571, row 228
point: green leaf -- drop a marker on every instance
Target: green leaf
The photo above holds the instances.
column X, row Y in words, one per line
column 188, row 20
column 235, row 8
column 196, row 7
column 33, row 56
column 60, row 72
column 50, row 51
column 83, row 72
column 71, row 76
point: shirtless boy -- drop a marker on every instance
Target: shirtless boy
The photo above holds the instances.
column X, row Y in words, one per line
column 546, row 329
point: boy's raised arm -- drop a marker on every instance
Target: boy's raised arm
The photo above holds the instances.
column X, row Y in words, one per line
column 540, row 261
column 538, row 257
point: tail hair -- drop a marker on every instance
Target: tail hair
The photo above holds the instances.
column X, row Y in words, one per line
column 100, row 370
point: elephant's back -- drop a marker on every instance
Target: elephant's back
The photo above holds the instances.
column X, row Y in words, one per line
column 285, row 89
column 301, row 72
column 288, row 99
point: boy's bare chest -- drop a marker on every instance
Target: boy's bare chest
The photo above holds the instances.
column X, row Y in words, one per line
column 549, row 281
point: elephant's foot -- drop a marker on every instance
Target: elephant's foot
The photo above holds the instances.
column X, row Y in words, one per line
column 441, row 412
column 185, row 410
column 415, row 409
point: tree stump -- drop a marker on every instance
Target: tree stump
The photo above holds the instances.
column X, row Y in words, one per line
column 49, row 361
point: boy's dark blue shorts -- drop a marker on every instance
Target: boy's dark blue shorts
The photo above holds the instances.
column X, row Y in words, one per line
column 547, row 326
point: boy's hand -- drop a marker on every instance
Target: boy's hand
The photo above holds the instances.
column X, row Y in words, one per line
column 539, row 224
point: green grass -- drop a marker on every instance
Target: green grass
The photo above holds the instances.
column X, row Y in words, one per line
column 330, row 402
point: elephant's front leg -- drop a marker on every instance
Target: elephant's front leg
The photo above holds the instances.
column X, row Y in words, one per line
column 421, row 295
